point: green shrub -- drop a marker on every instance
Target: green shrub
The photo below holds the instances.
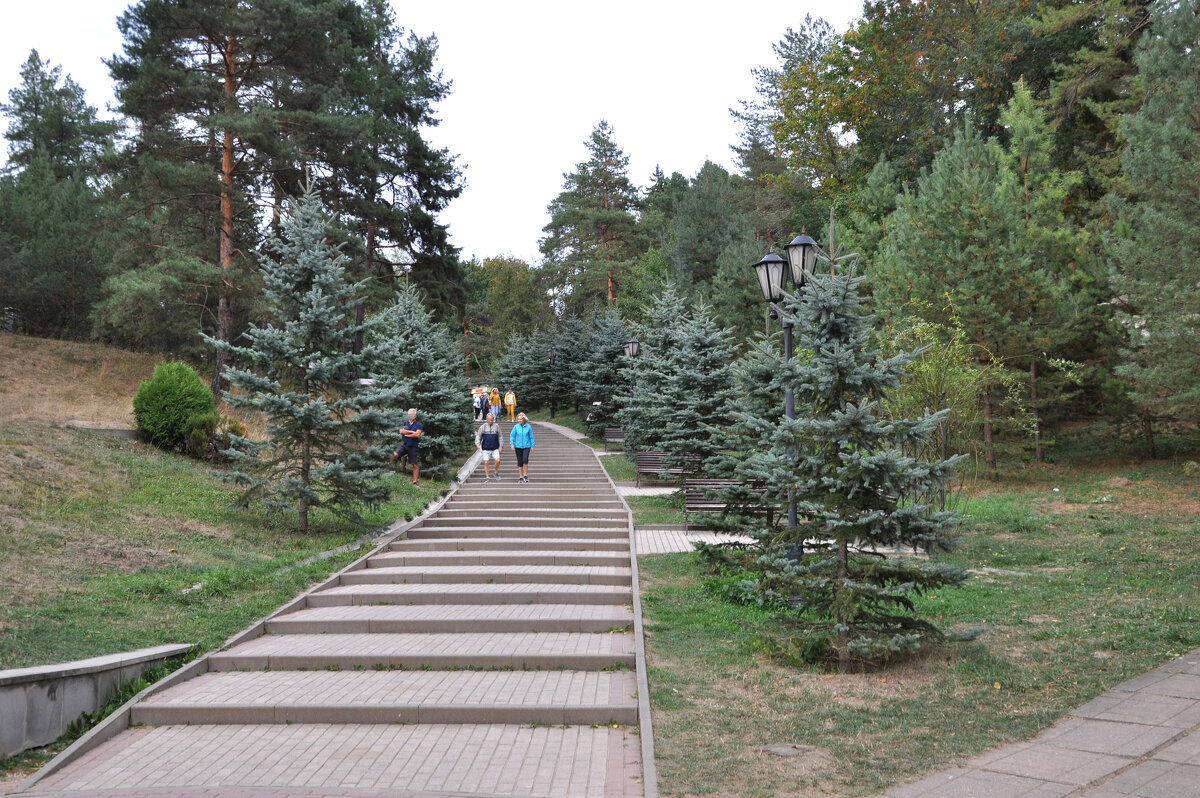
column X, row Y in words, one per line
column 173, row 407
column 210, row 435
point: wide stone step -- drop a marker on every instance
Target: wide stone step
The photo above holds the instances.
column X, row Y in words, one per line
column 545, row 473
column 519, row 521
column 494, row 495
column 298, row 759
column 430, row 618
column 533, row 509
column 494, row 505
column 509, row 488
column 517, row 650
column 452, row 574
column 546, row 697
column 510, row 544
column 448, row 532
column 422, row 559
column 473, row 594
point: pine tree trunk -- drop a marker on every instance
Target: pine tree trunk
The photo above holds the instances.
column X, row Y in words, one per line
column 843, row 640
column 1148, row 430
column 989, row 448
column 305, row 475
column 1039, row 454
column 360, row 314
column 225, row 263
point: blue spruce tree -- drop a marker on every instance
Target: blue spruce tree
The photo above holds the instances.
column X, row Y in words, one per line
column 861, row 498
column 326, row 442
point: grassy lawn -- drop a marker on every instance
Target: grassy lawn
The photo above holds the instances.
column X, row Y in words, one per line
column 664, row 510
column 619, row 467
column 1083, row 577
column 102, row 540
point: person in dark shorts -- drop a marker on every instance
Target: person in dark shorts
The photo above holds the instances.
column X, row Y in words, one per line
column 487, row 441
column 410, row 431
column 521, row 441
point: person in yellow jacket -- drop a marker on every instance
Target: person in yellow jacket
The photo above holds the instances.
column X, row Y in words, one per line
column 494, row 402
column 510, row 404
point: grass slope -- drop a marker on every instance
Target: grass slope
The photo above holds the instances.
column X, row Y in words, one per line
column 103, row 540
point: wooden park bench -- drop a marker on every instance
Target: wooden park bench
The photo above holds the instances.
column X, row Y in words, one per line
column 697, row 500
column 613, row 435
column 652, row 465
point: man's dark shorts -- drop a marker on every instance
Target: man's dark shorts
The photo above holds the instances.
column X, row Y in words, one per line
column 411, row 453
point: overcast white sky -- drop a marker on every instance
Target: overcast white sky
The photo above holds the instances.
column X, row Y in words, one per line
column 530, row 81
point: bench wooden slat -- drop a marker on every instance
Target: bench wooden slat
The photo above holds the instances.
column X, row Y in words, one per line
column 695, row 500
column 651, row 463
column 613, row 435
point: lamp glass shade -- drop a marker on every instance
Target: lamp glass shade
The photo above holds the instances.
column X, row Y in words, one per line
column 802, row 259
column 771, row 274
column 633, row 348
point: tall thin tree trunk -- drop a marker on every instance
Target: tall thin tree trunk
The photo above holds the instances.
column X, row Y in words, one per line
column 360, row 314
column 1148, row 430
column 989, row 448
column 843, row 640
column 225, row 299
column 1039, row 454
column 305, row 476
column 942, row 455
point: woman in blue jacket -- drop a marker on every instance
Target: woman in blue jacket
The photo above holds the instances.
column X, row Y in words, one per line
column 521, row 441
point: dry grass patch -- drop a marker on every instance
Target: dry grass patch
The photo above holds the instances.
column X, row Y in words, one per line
column 44, row 381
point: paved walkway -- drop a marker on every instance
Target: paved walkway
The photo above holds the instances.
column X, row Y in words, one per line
column 1139, row 740
column 495, row 651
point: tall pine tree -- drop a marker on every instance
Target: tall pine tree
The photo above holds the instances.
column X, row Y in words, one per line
column 1156, row 245
column 1054, row 245
column 53, row 254
column 593, row 238
column 956, row 250
column 235, row 105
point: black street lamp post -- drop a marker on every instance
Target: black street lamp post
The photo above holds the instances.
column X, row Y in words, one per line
column 772, row 276
column 633, row 348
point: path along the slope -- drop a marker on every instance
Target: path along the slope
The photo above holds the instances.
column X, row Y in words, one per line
column 492, row 652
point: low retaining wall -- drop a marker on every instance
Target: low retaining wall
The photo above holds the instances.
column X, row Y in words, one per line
column 38, row 704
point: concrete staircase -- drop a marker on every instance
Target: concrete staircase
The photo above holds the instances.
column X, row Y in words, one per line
column 492, row 649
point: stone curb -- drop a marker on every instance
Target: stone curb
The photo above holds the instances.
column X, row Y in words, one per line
column 92, row 665
column 645, row 724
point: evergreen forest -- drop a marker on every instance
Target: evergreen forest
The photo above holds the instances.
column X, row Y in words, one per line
column 1012, row 183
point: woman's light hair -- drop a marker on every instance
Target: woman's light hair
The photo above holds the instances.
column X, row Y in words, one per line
column 522, row 415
